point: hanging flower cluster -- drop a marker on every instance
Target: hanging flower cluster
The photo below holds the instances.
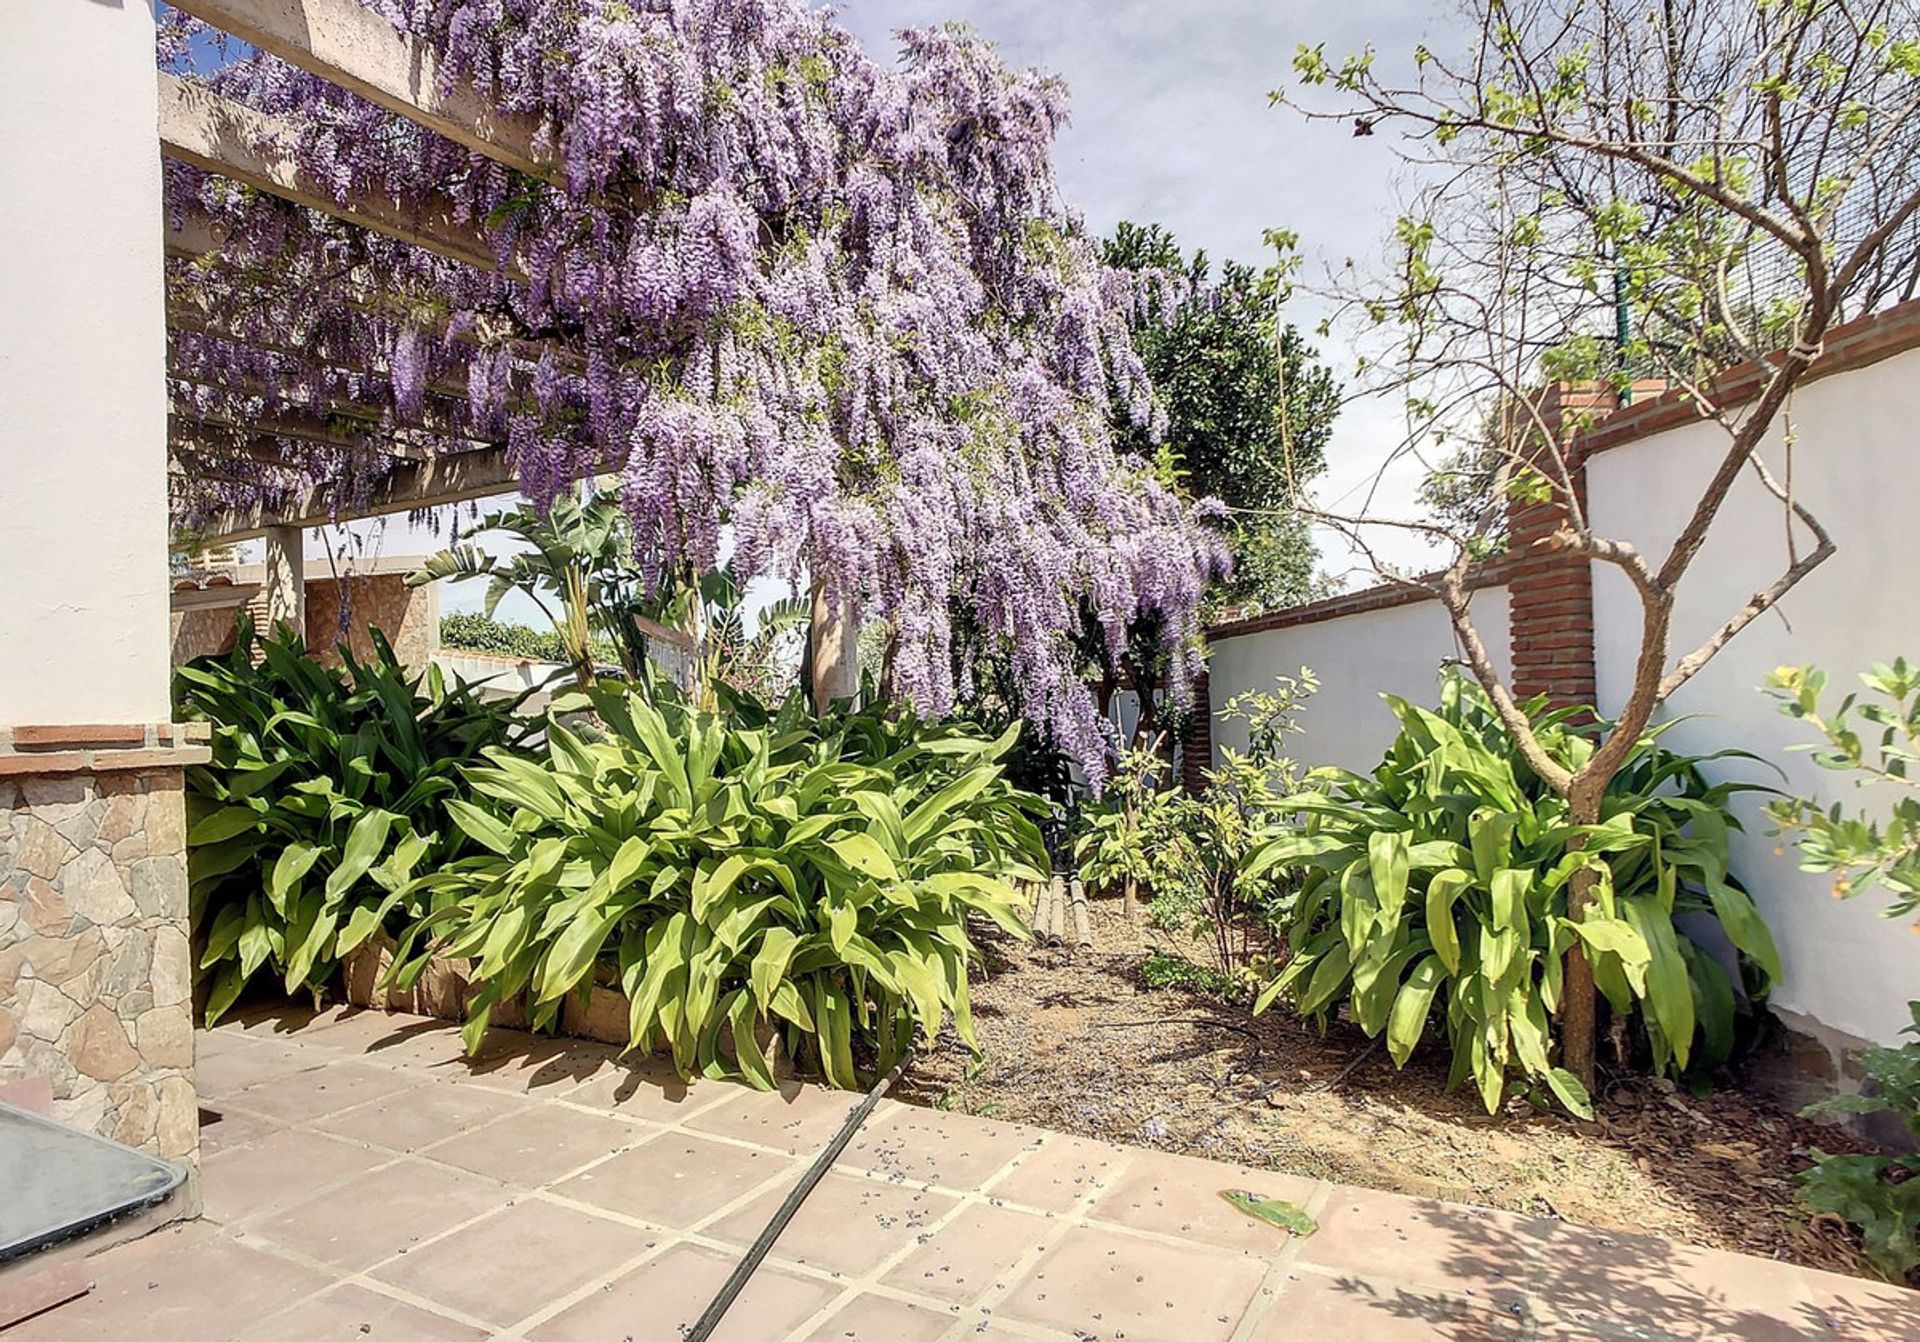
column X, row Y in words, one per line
column 834, row 308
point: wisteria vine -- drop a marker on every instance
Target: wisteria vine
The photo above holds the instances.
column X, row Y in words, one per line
column 835, row 309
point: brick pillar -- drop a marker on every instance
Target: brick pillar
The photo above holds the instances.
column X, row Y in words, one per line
column 1196, row 748
column 1550, row 592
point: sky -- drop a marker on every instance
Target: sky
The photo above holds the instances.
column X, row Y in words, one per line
column 1171, row 124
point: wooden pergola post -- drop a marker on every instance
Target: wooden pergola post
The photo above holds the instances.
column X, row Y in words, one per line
column 834, row 641
column 284, row 588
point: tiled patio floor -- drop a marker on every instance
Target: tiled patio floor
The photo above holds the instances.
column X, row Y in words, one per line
column 361, row 1181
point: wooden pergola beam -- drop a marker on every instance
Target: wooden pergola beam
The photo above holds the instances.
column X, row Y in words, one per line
column 301, row 426
column 350, row 46
column 192, row 316
column 194, row 235
column 230, row 139
column 412, row 486
column 290, row 408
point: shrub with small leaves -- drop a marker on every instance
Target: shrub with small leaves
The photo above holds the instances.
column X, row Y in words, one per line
column 1877, row 740
column 1880, row 1194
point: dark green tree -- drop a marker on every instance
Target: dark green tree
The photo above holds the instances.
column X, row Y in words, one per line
column 1242, row 425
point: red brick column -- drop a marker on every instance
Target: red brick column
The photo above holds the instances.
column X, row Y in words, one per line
column 1196, row 749
column 1550, row 591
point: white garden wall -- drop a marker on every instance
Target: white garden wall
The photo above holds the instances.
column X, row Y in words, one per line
column 1358, row 657
column 1856, row 468
column 83, row 435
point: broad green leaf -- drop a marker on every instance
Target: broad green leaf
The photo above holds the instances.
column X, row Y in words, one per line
column 1442, row 891
column 223, row 824
column 1409, row 1018
column 362, row 849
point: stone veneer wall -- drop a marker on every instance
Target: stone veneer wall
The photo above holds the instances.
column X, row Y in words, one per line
column 408, row 616
column 95, row 964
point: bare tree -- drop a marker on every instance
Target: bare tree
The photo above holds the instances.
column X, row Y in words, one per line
column 1694, row 191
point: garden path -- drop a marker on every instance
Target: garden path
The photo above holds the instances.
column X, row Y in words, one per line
column 362, row 1180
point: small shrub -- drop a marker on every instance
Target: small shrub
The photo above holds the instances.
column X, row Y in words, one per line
column 1160, row 970
column 470, row 631
column 1879, row 1194
column 1440, row 882
column 1197, row 848
column 729, row 871
column 1858, row 850
column 322, row 799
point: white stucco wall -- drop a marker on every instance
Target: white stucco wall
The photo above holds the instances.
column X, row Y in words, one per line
column 1357, row 658
column 83, row 597
column 1856, row 464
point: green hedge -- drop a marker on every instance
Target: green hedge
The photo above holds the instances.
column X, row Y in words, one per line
column 470, row 631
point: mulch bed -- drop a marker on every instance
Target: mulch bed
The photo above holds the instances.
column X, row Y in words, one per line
column 1076, row 1043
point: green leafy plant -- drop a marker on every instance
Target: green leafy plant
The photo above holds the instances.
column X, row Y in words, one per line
column 1441, row 882
column 1110, row 848
column 1877, row 741
column 576, row 563
column 733, row 872
column 1879, row 1194
column 473, row 632
column 1198, row 848
column 322, row 797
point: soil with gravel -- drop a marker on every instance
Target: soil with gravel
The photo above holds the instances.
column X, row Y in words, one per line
column 1075, row 1042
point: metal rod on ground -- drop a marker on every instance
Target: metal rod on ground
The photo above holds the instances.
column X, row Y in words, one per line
column 1082, row 928
column 744, row 1270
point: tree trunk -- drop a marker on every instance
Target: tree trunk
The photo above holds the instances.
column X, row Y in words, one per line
column 833, row 640
column 1130, row 900
column 1577, row 1025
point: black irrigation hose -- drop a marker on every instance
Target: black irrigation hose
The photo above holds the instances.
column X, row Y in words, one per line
column 744, row 1270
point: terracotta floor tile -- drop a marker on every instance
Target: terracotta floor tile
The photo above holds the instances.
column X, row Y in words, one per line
column 380, row 1214
column 225, row 1073
column 879, row 1318
column 271, row 1021
column 315, row 1197
column 678, row 1179
column 517, row 1261
column 349, row 1313
column 847, row 1226
column 650, row 1090
column 318, row 1091
column 527, row 1064
column 277, row 1171
column 1484, row 1255
column 1180, row 1195
column 358, row 1030
column 1865, row 1311
column 199, row 1291
column 1108, row 1284
column 1636, row 1285
column 1312, row 1308
column 222, row 1131
column 796, row 1119
column 430, row 1112
column 213, row 1043
column 663, row 1297
column 1061, row 1172
column 926, row 1146
column 973, row 1253
column 537, row 1145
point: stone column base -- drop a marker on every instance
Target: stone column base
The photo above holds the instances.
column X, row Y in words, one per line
column 96, row 967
